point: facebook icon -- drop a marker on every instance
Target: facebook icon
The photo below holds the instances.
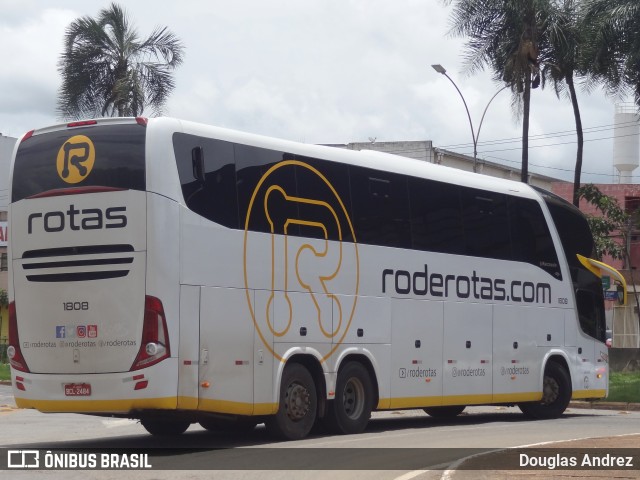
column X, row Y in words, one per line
column 60, row 331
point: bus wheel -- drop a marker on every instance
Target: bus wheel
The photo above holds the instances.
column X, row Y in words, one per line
column 444, row 412
column 556, row 394
column 232, row 425
column 157, row 426
column 298, row 404
column 351, row 409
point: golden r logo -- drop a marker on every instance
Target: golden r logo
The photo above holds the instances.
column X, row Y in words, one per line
column 293, row 280
column 75, row 159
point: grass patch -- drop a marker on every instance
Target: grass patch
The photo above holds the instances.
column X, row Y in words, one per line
column 5, row 372
column 624, row 387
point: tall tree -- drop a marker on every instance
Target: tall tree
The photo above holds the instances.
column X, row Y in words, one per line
column 562, row 47
column 505, row 36
column 610, row 227
column 107, row 70
column 612, row 50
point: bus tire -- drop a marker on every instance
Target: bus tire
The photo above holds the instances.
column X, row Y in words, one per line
column 351, row 409
column 556, row 394
column 158, row 426
column 298, row 405
column 444, row 412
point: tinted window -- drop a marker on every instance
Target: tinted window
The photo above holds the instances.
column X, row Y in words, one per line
column 591, row 313
column 308, row 197
column 252, row 164
column 486, row 224
column 436, row 217
column 44, row 161
column 330, row 213
column 532, row 242
column 216, row 197
column 575, row 236
column 380, row 204
column 573, row 229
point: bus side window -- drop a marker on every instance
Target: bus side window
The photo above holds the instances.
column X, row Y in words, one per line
column 207, row 172
column 590, row 314
column 531, row 238
column 252, row 164
column 436, row 217
column 334, row 190
column 486, row 224
column 380, row 202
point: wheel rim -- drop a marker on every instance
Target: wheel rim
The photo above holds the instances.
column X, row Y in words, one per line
column 297, row 402
column 551, row 390
column 353, row 398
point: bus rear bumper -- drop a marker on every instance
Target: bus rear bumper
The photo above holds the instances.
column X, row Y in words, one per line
column 99, row 393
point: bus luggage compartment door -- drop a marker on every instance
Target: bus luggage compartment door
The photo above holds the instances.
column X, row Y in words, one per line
column 189, row 348
column 227, row 352
column 467, row 359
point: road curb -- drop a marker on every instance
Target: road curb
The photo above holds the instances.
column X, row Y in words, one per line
column 606, row 405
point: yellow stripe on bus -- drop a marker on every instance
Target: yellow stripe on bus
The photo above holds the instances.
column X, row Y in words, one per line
column 98, row 406
column 242, row 408
column 421, row 402
column 589, row 394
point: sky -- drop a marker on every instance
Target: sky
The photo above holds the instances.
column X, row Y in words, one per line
column 315, row 71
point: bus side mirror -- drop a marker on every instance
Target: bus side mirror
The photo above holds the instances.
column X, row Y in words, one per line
column 197, row 162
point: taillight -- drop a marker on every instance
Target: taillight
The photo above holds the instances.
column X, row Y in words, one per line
column 155, row 336
column 27, row 135
column 82, row 123
column 59, row 192
column 13, row 350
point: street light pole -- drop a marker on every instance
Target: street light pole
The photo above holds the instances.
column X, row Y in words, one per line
column 440, row 69
column 474, row 135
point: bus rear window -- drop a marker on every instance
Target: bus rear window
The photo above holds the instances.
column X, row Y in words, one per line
column 110, row 156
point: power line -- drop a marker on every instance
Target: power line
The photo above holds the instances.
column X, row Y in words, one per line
column 573, row 142
column 560, row 133
column 562, row 143
column 553, row 168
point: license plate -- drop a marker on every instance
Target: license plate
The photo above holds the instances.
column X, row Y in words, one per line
column 77, row 389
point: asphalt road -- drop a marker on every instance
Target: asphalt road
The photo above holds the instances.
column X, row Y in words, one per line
column 396, row 445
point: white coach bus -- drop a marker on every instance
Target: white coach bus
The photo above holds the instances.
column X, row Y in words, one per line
column 179, row 273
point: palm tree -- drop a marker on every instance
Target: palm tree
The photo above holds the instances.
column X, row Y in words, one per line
column 564, row 37
column 505, row 35
column 108, row 71
column 612, row 52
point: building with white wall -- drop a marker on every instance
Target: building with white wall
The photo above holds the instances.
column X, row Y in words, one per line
column 424, row 150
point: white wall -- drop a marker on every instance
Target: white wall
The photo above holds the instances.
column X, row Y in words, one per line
column 6, row 149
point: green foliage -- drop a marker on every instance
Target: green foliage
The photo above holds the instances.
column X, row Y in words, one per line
column 610, row 229
column 524, row 42
column 506, row 36
column 4, row 298
column 107, row 70
column 612, row 47
column 624, row 387
column 5, row 371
